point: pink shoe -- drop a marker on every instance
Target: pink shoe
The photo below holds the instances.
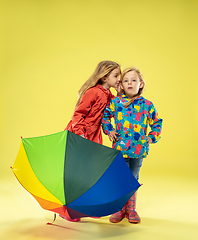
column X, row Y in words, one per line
column 69, row 219
column 133, row 217
column 131, row 212
column 117, row 217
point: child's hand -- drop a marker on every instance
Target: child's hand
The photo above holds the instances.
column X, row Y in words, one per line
column 113, row 136
column 149, row 140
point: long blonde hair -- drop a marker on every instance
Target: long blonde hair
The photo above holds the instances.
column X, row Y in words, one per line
column 141, row 90
column 102, row 70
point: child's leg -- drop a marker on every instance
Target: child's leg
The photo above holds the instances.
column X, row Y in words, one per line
column 131, row 213
column 134, row 165
column 118, row 216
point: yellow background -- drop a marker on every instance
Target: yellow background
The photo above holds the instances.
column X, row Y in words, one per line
column 48, row 49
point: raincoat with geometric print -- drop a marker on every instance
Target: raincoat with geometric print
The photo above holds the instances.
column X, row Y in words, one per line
column 132, row 125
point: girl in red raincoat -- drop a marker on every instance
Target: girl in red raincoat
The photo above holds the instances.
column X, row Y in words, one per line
column 94, row 95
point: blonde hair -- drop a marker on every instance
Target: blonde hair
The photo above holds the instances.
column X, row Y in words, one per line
column 102, row 70
column 141, row 90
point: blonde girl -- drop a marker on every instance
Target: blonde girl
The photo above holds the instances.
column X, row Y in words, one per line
column 132, row 114
column 93, row 97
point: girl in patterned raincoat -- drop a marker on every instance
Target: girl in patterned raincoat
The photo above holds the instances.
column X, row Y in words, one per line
column 132, row 114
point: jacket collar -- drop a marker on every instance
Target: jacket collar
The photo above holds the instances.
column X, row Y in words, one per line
column 102, row 88
column 123, row 96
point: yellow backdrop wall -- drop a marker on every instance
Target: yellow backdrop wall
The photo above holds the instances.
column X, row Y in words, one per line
column 50, row 48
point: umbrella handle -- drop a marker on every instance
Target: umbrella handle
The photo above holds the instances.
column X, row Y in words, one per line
column 50, row 223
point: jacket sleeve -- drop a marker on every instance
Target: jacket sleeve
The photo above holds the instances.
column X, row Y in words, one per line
column 106, row 119
column 155, row 123
column 83, row 109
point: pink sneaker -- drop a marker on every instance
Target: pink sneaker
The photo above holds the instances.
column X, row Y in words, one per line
column 69, row 219
column 117, row 217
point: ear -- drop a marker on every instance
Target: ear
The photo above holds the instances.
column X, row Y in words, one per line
column 104, row 79
column 141, row 85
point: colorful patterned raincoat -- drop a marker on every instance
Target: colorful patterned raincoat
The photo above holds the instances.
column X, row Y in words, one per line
column 131, row 125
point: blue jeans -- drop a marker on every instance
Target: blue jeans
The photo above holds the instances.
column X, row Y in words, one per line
column 134, row 165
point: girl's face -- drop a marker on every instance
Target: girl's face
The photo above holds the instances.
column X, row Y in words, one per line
column 112, row 80
column 131, row 84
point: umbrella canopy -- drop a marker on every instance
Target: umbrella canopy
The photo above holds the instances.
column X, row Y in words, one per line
column 72, row 176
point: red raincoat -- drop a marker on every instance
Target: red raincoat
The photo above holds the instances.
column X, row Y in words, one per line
column 87, row 117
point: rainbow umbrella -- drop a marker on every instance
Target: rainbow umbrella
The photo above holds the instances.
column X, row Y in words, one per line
column 72, row 176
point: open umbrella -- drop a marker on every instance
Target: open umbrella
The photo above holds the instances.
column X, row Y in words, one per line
column 72, row 176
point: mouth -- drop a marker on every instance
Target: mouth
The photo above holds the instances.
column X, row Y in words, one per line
column 130, row 88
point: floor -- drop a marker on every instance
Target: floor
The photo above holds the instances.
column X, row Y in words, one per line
column 167, row 206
